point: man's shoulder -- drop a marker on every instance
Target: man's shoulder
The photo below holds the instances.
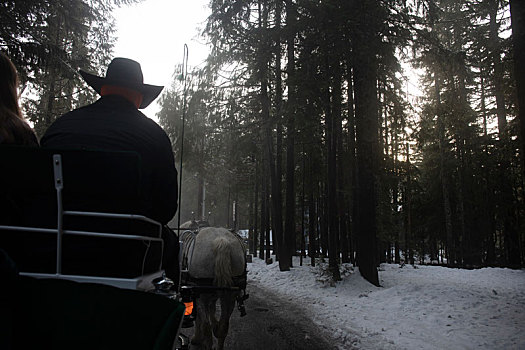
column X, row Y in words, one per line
column 106, row 108
column 114, row 114
column 150, row 122
column 79, row 111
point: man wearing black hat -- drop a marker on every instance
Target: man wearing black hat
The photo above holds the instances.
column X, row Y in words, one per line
column 114, row 123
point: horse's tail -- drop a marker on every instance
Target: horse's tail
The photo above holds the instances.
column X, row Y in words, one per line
column 223, row 262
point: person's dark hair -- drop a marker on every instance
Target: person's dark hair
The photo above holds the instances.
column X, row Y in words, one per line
column 13, row 127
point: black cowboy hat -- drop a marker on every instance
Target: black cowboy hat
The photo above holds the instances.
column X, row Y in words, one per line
column 125, row 73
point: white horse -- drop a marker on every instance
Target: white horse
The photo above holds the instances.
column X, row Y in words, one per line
column 217, row 257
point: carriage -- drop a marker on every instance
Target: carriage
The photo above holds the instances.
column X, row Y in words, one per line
column 78, row 287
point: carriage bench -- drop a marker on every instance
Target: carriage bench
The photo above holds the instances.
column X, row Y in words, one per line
column 78, row 215
column 73, row 223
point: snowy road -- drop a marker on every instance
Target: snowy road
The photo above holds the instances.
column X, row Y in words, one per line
column 421, row 307
column 272, row 323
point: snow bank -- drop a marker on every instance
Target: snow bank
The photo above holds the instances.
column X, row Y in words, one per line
column 426, row 307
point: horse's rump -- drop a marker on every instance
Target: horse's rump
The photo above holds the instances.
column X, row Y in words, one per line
column 215, row 249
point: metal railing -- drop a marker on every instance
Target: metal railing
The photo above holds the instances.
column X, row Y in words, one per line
column 129, row 283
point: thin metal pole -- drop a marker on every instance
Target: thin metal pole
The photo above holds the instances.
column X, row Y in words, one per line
column 184, row 73
column 59, row 185
column 60, row 231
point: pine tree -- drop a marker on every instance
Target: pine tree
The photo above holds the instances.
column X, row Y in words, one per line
column 49, row 41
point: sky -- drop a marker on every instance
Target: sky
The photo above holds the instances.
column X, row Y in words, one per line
column 154, row 32
column 426, row 307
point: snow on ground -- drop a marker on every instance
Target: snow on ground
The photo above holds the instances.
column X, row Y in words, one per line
column 426, row 307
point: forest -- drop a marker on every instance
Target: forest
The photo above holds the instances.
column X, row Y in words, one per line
column 358, row 131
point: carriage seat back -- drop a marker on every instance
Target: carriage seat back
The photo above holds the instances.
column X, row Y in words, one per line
column 91, row 181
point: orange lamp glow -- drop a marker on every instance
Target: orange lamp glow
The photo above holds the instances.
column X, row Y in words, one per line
column 189, row 308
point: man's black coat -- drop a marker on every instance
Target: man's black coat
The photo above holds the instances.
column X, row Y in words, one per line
column 113, row 123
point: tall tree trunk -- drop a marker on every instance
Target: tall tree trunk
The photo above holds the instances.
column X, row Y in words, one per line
column 323, row 218
column 333, row 112
column 395, row 183
column 366, row 108
column 289, row 237
column 468, row 245
column 264, row 208
column 498, row 68
column 517, row 9
column 255, row 208
column 51, row 80
column 228, row 206
column 275, row 203
column 460, row 189
column 341, row 198
column 488, row 224
column 408, row 202
column 277, row 182
column 312, row 213
column 444, row 177
column 250, row 225
column 267, row 235
column 352, row 169
column 200, row 197
column 235, row 225
column 509, row 231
